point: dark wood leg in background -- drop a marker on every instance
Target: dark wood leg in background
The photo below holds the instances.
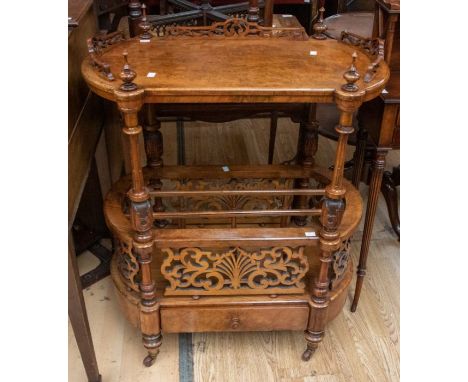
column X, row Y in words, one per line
column 307, row 147
column 374, row 191
column 153, row 137
column 273, row 128
column 359, row 156
column 89, row 228
column 268, row 13
column 163, row 7
column 79, row 318
column 390, row 181
column 134, row 17
column 102, row 270
column 180, row 142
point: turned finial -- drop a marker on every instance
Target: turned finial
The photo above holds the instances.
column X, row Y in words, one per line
column 320, row 27
column 127, row 75
column 253, row 13
column 144, row 25
column 351, row 76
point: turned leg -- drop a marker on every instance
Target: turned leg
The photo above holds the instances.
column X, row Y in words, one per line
column 273, row 128
column 268, row 13
column 377, row 169
column 306, row 149
column 153, row 138
column 180, row 142
column 154, row 150
column 254, row 11
column 333, row 208
column 390, row 181
column 134, row 17
column 163, row 7
column 141, row 216
column 332, row 211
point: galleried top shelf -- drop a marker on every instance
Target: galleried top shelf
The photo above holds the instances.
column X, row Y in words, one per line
column 210, row 65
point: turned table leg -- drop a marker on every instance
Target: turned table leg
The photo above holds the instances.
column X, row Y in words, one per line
column 141, row 216
column 333, row 208
column 377, row 169
column 273, row 128
column 306, row 150
column 253, row 12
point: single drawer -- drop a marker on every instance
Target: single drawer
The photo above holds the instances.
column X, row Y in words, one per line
column 242, row 318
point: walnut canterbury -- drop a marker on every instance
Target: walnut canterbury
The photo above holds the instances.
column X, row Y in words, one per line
column 238, row 247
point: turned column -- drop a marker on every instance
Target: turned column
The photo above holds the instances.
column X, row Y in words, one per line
column 377, row 169
column 306, row 150
column 333, row 208
column 273, row 128
column 130, row 100
column 268, row 13
column 134, row 17
column 390, row 181
column 154, row 151
column 253, row 15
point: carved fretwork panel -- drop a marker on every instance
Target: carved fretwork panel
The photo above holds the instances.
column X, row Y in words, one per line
column 339, row 263
column 240, row 15
column 127, row 265
column 160, row 30
column 375, row 47
column 234, row 271
column 237, row 28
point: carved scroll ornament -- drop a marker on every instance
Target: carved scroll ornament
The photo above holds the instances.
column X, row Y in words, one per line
column 196, row 271
column 236, row 28
column 340, row 263
column 127, row 265
column 97, row 45
column 374, row 47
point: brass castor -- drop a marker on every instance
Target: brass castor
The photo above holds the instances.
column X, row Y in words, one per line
column 149, row 360
column 308, row 353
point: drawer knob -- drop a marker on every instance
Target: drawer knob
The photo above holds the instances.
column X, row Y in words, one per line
column 235, row 322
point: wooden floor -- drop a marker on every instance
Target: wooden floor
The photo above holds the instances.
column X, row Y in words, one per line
column 361, row 346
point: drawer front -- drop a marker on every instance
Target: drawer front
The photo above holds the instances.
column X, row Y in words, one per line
column 243, row 318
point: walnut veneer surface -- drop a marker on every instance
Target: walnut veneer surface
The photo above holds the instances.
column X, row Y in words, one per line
column 240, row 70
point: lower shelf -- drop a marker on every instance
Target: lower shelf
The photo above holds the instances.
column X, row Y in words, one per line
column 231, row 275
